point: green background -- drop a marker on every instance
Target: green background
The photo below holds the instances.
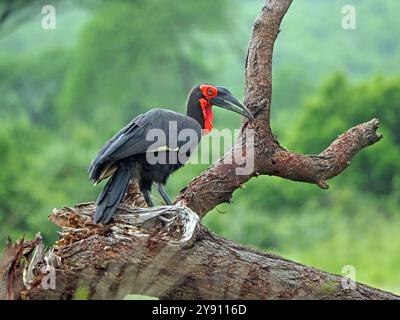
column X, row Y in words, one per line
column 64, row 92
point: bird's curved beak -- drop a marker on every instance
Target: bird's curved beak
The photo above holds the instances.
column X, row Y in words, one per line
column 226, row 100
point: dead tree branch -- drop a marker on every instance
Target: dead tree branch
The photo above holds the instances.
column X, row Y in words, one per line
column 165, row 251
column 269, row 157
column 138, row 254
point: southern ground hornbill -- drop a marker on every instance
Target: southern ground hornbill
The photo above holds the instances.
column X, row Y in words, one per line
column 135, row 152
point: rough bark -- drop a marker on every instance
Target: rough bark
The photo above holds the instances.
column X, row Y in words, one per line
column 142, row 252
column 217, row 184
column 182, row 261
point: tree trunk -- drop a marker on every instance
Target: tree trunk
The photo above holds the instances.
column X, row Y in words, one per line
column 182, row 261
column 165, row 251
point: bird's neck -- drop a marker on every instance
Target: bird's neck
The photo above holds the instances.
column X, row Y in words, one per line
column 200, row 109
column 208, row 116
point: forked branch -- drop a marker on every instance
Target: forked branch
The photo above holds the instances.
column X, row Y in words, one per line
column 217, row 184
column 165, row 251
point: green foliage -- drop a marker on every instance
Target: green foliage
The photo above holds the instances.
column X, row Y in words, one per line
column 341, row 105
column 64, row 92
column 82, row 293
column 314, row 27
column 358, row 218
column 53, row 99
column 26, row 90
column 167, row 44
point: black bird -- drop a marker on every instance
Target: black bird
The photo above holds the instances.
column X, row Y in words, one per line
column 133, row 152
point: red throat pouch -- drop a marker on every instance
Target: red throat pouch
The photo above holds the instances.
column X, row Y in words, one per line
column 207, row 114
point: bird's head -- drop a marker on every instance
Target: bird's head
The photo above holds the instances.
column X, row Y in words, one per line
column 207, row 96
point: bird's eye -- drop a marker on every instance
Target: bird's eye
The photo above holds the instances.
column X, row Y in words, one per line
column 210, row 92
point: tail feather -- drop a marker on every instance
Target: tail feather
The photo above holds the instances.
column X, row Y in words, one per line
column 112, row 194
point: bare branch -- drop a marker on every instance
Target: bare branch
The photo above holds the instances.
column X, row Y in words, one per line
column 329, row 163
column 217, row 184
column 258, row 73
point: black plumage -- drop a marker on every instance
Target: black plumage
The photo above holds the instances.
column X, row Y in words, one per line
column 125, row 156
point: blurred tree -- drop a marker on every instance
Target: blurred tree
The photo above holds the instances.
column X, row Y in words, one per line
column 107, row 82
column 16, row 178
column 133, row 49
column 341, row 104
column 321, row 45
column 13, row 13
column 338, row 104
column 273, row 213
column 30, row 84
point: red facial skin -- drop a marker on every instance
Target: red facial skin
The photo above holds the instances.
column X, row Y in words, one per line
column 208, row 92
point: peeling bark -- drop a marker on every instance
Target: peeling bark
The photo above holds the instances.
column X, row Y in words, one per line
column 138, row 254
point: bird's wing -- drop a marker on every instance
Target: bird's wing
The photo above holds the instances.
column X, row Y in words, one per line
column 132, row 139
column 105, row 155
